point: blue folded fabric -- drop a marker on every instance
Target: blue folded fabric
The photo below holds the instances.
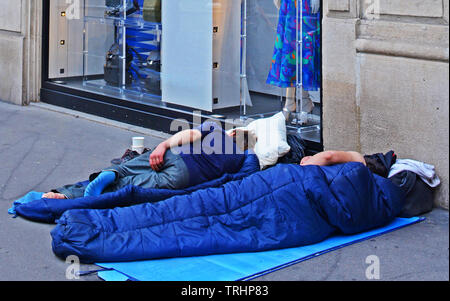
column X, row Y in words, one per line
column 29, row 197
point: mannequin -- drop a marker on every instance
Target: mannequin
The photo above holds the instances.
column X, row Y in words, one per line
column 283, row 69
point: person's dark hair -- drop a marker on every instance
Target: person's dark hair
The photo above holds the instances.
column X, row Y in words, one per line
column 380, row 163
column 244, row 139
column 376, row 166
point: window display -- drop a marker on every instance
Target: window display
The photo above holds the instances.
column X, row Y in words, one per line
column 231, row 59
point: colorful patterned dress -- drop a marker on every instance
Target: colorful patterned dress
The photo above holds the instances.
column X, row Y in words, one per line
column 283, row 69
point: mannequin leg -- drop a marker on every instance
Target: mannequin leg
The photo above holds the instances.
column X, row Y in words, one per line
column 307, row 105
column 291, row 103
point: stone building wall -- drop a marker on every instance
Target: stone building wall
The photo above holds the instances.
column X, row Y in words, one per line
column 20, row 50
column 386, row 74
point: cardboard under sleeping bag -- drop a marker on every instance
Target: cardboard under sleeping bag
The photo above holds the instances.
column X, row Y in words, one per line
column 284, row 206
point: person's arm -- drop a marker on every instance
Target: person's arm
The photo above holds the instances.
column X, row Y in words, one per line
column 180, row 138
column 333, row 157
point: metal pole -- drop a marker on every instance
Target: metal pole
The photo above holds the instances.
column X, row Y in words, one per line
column 124, row 44
column 244, row 61
column 85, row 51
column 299, row 58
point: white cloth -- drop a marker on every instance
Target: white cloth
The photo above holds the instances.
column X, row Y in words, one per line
column 272, row 141
column 425, row 171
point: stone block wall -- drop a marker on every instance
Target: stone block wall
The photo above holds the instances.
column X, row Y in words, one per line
column 20, row 50
column 386, row 74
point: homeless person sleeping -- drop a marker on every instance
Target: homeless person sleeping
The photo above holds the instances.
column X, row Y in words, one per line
column 286, row 205
column 186, row 159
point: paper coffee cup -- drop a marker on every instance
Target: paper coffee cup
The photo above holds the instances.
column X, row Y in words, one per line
column 138, row 141
column 138, row 144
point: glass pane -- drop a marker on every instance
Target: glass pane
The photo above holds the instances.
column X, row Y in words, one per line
column 65, row 40
column 99, row 36
column 187, row 60
column 236, row 59
column 308, row 83
column 282, row 39
column 226, row 53
column 112, row 47
column 128, row 49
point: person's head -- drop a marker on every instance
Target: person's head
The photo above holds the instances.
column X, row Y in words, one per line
column 376, row 167
column 380, row 163
column 244, row 139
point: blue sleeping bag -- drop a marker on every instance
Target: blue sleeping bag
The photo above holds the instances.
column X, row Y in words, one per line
column 284, row 206
column 49, row 210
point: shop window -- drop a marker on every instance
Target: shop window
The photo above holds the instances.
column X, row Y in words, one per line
column 233, row 59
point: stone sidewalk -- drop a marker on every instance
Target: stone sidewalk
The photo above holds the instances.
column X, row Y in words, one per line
column 43, row 147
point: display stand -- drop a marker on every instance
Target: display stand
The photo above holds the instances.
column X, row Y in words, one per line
column 127, row 71
column 200, row 62
column 307, row 123
column 244, row 86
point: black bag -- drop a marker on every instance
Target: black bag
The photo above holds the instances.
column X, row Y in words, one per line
column 115, row 7
column 419, row 195
column 112, row 67
column 154, row 61
column 113, row 3
column 152, row 83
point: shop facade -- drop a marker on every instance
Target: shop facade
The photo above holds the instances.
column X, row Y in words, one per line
column 374, row 73
column 149, row 62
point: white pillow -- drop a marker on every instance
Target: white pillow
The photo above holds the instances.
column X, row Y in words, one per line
column 271, row 144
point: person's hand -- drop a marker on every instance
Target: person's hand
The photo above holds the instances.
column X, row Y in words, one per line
column 157, row 157
column 315, row 6
column 53, row 195
column 304, row 160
